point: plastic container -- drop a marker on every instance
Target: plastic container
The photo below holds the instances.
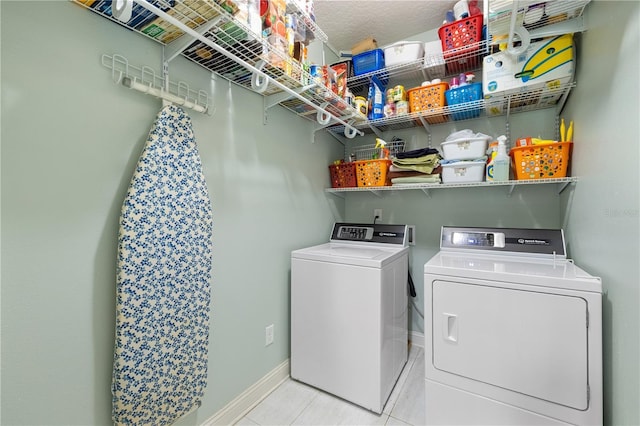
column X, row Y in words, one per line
column 458, row 97
column 343, row 175
column 434, row 59
column 372, row 172
column 501, row 162
column 428, row 98
column 403, row 52
column 541, row 161
column 463, row 172
column 461, row 43
column 372, row 60
column 464, row 149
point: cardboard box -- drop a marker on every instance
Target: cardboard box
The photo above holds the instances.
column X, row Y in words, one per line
column 533, row 79
column 364, row 46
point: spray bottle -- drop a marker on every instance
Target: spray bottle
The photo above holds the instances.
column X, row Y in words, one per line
column 501, row 162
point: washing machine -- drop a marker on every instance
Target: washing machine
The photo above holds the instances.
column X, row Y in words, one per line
column 349, row 308
column 513, row 331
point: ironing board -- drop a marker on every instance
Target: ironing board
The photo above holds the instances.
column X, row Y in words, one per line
column 163, row 280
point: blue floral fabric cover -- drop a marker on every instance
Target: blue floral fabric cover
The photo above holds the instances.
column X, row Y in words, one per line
column 163, row 280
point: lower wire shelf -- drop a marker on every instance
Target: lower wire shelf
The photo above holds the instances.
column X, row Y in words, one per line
column 561, row 183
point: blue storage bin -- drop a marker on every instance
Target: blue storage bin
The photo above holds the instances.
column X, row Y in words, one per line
column 372, row 60
column 458, row 97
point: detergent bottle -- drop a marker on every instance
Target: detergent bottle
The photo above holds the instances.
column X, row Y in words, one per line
column 493, row 151
column 501, row 162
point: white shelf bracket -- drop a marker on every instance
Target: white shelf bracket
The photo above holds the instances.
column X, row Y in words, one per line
column 510, row 191
column 562, row 186
column 426, row 192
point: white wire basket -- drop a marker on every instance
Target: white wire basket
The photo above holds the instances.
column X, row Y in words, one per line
column 370, row 152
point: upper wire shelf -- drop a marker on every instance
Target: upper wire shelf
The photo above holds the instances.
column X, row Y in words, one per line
column 207, row 33
column 540, row 19
column 530, row 100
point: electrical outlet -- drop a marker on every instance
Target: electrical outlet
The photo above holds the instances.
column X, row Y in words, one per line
column 412, row 235
column 377, row 215
column 268, row 334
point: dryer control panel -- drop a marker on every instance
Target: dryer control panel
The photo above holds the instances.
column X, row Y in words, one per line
column 371, row 233
column 546, row 242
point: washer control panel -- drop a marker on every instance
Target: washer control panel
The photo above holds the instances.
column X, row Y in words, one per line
column 355, row 233
column 371, row 233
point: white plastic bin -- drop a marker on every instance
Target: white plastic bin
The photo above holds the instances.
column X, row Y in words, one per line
column 463, row 172
column 464, row 149
column 433, row 59
column 403, row 52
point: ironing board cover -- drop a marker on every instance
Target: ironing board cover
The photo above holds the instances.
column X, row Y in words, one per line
column 163, row 280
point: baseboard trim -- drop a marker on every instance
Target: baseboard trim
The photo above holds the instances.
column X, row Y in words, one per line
column 243, row 403
column 416, row 338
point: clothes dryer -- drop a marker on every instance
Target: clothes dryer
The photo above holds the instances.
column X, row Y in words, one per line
column 513, row 331
column 349, row 307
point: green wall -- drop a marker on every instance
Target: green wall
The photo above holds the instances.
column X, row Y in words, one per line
column 70, row 141
column 602, row 215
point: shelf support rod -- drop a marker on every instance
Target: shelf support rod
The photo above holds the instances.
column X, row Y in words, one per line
column 177, row 46
column 562, row 186
column 511, row 188
column 426, row 192
column 171, row 19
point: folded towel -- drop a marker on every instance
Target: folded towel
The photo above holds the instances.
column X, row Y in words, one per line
column 435, row 178
column 424, row 164
column 417, row 153
column 410, row 173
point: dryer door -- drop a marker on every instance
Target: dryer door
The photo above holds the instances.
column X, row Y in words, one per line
column 524, row 341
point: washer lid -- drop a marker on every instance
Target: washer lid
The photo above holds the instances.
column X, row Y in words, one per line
column 351, row 254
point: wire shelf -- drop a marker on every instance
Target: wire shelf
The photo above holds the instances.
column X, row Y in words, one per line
column 539, row 18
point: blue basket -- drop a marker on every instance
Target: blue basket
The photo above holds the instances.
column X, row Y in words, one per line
column 372, row 60
column 459, row 98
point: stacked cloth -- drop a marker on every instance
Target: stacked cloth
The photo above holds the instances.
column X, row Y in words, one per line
column 415, row 167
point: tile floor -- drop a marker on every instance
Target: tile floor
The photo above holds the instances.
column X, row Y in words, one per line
column 294, row 403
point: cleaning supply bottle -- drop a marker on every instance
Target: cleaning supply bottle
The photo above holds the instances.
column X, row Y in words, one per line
column 493, row 151
column 502, row 162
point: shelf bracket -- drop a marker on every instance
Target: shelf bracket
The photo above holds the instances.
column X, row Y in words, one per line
column 426, row 192
column 177, row 46
column 562, row 186
column 511, row 188
column 562, row 101
column 337, row 194
column 338, row 138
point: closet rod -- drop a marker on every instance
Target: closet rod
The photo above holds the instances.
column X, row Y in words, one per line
column 148, row 89
column 188, row 30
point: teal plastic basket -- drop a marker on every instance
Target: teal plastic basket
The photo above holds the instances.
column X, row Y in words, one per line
column 465, row 102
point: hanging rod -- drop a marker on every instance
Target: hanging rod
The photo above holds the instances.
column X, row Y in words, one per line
column 146, row 80
column 159, row 93
column 263, row 78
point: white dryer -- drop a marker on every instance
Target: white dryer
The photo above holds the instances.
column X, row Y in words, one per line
column 349, row 312
column 513, row 331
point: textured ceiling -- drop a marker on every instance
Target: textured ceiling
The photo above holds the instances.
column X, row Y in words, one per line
column 348, row 21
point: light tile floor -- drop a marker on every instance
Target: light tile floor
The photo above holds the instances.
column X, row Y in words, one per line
column 294, row 403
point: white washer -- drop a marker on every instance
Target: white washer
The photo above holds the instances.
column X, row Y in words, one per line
column 349, row 312
column 513, row 331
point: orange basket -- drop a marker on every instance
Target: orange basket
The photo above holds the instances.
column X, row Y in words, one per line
column 541, row 161
column 429, row 98
column 372, row 172
column 343, row 175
